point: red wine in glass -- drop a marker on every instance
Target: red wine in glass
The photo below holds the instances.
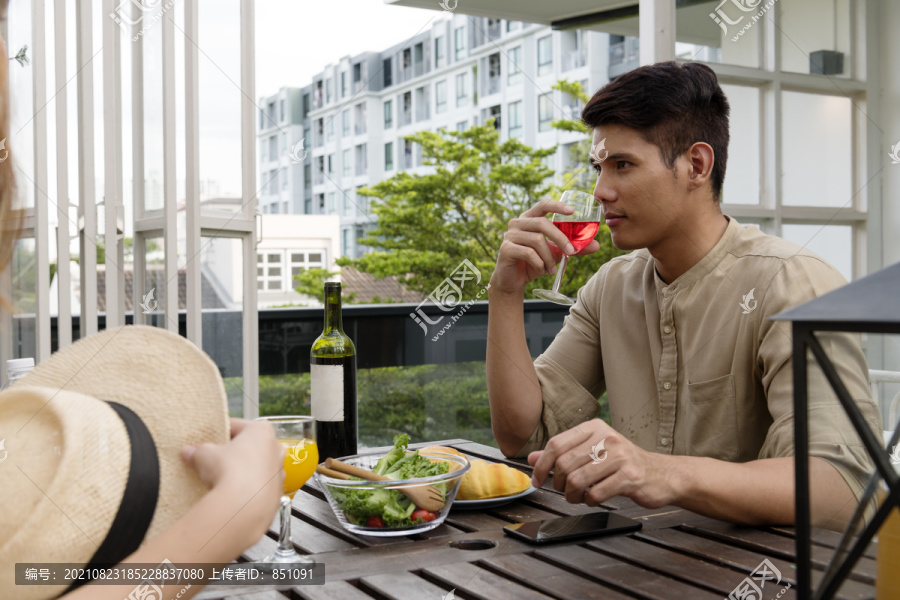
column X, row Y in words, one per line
column 580, row 227
column 580, row 233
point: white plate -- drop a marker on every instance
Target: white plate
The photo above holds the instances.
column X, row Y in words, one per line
column 489, row 502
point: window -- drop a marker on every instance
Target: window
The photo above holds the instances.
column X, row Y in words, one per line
column 284, row 181
column 281, row 110
column 361, row 161
column 303, row 260
column 386, row 69
column 273, row 147
column 545, row 55
column 269, row 271
column 462, row 125
column 459, row 43
column 359, row 114
column 329, row 129
column 347, row 203
column 406, row 112
column 320, row 200
column 262, row 150
column 515, row 119
column 284, row 143
column 320, row 132
column 306, row 143
column 330, row 165
column 438, row 52
column 418, row 55
column 343, row 84
column 515, row 65
column 495, row 114
column 345, row 123
column 330, row 206
column 493, row 81
column 307, row 176
column 545, row 112
column 461, row 94
column 345, row 242
column 262, row 119
column 423, row 108
column 407, row 154
column 440, row 96
column 305, row 106
column 389, row 156
column 388, row 114
column 273, row 181
column 307, row 206
column 328, row 90
column 357, row 74
column 345, row 161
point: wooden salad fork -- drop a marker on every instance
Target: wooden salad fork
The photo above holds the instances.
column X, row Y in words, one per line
column 426, row 497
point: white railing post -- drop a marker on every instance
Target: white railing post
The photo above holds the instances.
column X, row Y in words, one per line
column 87, row 206
column 41, row 199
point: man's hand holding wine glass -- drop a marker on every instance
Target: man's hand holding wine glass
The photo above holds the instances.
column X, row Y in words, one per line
column 532, row 248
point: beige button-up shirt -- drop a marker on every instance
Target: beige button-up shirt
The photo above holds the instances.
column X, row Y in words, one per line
column 696, row 367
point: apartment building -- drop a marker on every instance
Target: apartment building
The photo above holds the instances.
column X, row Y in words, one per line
column 460, row 72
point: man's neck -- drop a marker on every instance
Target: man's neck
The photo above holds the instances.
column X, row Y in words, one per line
column 676, row 255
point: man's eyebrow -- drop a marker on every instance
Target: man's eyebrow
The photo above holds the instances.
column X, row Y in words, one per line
column 616, row 156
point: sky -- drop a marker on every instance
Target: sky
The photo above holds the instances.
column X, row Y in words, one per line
column 296, row 39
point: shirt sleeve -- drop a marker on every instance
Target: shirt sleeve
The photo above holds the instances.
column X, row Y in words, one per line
column 571, row 371
column 831, row 435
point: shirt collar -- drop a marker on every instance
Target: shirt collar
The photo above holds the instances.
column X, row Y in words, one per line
column 705, row 265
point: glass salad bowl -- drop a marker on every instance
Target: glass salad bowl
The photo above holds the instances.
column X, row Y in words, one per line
column 377, row 508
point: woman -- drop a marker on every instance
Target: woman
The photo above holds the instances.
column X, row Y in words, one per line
column 247, row 462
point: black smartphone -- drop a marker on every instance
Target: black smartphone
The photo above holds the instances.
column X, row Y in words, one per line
column 572, row 528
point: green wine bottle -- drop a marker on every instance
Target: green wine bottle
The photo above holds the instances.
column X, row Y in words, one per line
column 332, row 365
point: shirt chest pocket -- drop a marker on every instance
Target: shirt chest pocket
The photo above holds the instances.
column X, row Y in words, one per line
column 710, row 419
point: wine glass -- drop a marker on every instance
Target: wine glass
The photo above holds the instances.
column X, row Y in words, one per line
column 580, row 227
column 298, row 435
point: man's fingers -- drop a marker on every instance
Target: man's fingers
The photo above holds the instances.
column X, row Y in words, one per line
column 590, row 248
column 548, row 206
column 535, row 241
column 543, row 226
column 556, row 447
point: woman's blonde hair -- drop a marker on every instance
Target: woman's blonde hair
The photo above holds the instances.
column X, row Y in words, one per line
column 10, row 216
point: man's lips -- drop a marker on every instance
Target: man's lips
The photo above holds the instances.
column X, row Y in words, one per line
column 613, row 218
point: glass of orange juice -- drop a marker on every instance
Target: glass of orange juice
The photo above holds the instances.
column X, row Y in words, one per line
column 298, row 435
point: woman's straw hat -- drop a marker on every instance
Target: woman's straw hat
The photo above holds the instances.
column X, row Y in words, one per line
column 67, row 451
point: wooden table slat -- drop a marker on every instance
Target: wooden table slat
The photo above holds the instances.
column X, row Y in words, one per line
column 684, row 567
column 826, row 538
column 332, row 590
column 771, row 544
column 551, row 579
column 481, row 583
column 740, row 559
column 401, row 586
column 631, row 579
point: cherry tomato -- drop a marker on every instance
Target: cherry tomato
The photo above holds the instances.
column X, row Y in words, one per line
column 425, row 515
column 375, row 521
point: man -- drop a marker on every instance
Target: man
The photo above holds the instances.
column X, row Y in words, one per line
column 677, row 332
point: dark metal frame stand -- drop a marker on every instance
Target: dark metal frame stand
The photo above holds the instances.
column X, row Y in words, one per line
column 868, row 305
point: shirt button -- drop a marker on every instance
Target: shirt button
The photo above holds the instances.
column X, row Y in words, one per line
column 667, row 329
column 664, row 441
column 667, row 385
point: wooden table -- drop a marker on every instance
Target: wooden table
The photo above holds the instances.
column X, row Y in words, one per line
column 677, row 554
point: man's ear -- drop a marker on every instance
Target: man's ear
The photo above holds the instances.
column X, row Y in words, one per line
column 701, row 158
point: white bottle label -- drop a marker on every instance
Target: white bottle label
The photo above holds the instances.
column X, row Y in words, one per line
column 327, row 392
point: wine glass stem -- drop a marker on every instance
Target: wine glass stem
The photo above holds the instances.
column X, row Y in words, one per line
column 559, row 272
column 284, row 537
